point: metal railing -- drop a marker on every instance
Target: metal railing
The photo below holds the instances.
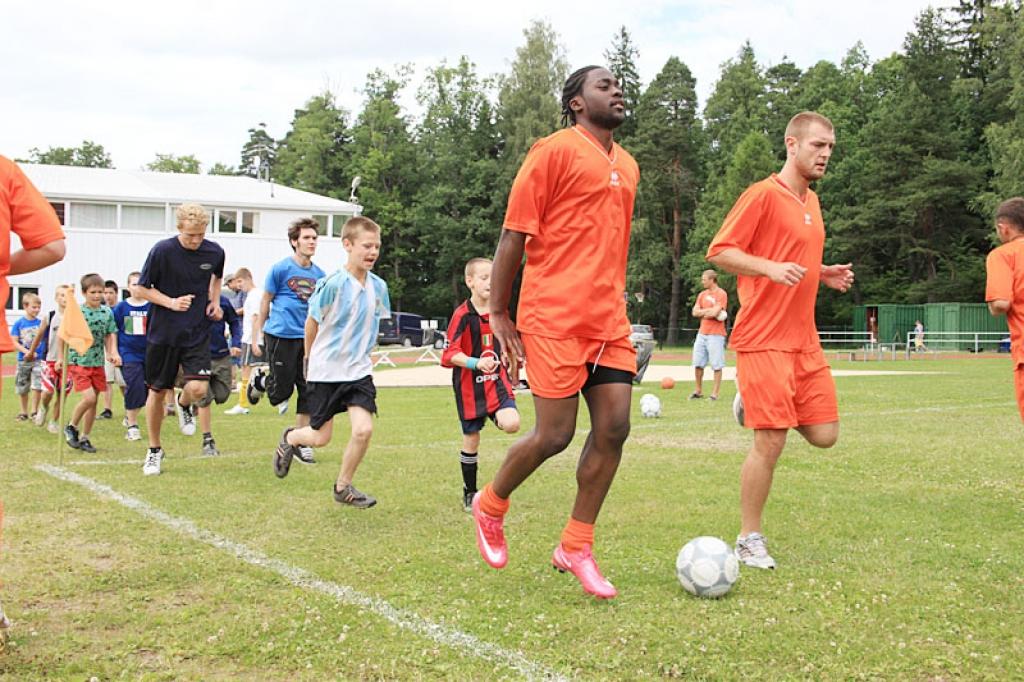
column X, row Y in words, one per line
column 972, row 342
column 858, row 345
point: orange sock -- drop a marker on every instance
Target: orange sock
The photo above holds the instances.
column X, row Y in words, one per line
column 491, row 504
column 577, row 534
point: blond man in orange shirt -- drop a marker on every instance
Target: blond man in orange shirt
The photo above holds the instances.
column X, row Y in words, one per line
column 773, row 239
column 569, row 210
column 1004, row 290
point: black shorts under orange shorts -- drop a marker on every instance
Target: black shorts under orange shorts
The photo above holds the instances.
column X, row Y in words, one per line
column 560, row 368
column 783, row 390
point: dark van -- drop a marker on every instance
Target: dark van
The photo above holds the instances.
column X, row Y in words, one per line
column 402, row 328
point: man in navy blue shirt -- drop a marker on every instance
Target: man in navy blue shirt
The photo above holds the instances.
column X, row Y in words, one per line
column 288, row 287
column 181, row 278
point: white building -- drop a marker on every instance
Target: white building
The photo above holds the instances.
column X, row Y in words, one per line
column 113, row 217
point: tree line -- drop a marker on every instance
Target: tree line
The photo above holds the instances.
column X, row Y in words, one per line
column 929, row 140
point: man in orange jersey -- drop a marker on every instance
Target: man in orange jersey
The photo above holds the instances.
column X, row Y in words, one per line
column 25, row 212
column 569, row 209
column 773, row 239
column 1004, row 290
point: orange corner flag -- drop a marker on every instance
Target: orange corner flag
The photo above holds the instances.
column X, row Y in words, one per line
column 73, row 329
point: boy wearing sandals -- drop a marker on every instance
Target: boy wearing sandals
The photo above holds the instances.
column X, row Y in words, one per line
column 341, row 330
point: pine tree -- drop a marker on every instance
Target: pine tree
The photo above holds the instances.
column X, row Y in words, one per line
column 621, row 59
column 313, row 155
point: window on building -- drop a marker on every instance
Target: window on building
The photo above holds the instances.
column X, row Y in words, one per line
column 339, row 222
column 14, row 300
column 227, row 220
column 143, row 218
column 250, row 222
column 58, row 207
column 324, row 225
column 93, row 216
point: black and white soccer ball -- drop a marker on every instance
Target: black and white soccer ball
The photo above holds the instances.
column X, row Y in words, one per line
column 707, row 567
column 650, row 406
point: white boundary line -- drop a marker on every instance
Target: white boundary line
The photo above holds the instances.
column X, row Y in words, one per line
column 465, row 643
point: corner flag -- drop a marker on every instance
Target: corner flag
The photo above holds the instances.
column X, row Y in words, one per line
column 73, row 329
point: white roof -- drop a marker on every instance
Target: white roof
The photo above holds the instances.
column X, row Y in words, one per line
column 114, row 185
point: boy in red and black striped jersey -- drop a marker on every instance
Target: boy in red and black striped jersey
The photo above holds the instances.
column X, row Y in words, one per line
column 481, row 383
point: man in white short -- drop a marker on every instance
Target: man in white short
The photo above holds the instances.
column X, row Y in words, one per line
column 709, row 348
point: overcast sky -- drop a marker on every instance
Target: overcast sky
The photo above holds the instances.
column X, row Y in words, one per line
column 191, row 77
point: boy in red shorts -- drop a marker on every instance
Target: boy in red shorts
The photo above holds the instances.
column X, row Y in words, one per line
column 86, row 369
column 1004, row 290
column 773, row 239
column 570, row 211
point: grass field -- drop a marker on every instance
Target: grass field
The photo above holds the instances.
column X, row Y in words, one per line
column 900, row 550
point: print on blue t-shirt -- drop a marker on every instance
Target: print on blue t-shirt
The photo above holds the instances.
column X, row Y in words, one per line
column 24, row 331
column 176, row 271
column 132, row 323
column 291, row 286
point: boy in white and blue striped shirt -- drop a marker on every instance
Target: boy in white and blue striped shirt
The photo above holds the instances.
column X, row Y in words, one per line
column 344, row 312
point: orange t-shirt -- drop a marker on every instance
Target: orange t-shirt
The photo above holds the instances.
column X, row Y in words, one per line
column 575, row 204
column 770, row 221
column 27, row 213
column 1005, row 267
column 709, row 299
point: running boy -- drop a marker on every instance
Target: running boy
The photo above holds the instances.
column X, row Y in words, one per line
column 86, row 370
column 50, row 376
column 1004, row 290
column 344, row 314
column 131, row 316
column 111, row 297
column 482, row 387
column 221, row 368
column 29, row 377
column 252, row 340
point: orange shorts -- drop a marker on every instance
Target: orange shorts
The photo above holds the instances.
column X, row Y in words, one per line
column 84, row 378
column 558, row 368
column 1018, row 382
column 783, row 390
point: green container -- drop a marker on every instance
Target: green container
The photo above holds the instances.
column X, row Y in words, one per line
column 894, row 320
column 964, row 318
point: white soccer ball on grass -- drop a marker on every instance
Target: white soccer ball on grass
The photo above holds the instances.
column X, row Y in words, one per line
column 650, row 406
column 707, row 567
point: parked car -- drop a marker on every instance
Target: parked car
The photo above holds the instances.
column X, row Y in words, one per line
column 402, row 328
column 642, row 337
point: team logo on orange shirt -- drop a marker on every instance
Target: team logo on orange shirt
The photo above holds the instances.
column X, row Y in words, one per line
column 614, row 182
column 807, row 218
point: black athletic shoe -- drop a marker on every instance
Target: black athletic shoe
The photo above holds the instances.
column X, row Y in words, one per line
column 105, row 414
column 251, row 391
column 85, row 446
column 283, row 455
column 71, row 436
column 467, row 499
column 352, row 497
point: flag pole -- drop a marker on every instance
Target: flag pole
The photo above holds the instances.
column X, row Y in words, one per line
column 62, row 401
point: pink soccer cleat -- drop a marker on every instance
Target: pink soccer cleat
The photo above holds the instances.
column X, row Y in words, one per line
column 582, row 565
column 490, row 536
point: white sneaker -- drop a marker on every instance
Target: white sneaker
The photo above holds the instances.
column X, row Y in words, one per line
column 52, row 427
column 304, row 454
column 152, row 465
column 186, row 422
column 39, row 419
column 752, row 550
column 237, row 409
column 133, row 433
column 282, row 408
column 737, row 409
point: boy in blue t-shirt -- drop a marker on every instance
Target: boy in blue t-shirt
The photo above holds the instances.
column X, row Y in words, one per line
column 222, row 368
column 132, row 316
column 341, row 330
column 30, row 369
column 288, row 287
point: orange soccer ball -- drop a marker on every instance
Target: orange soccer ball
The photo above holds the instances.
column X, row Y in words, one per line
column 668, row 382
